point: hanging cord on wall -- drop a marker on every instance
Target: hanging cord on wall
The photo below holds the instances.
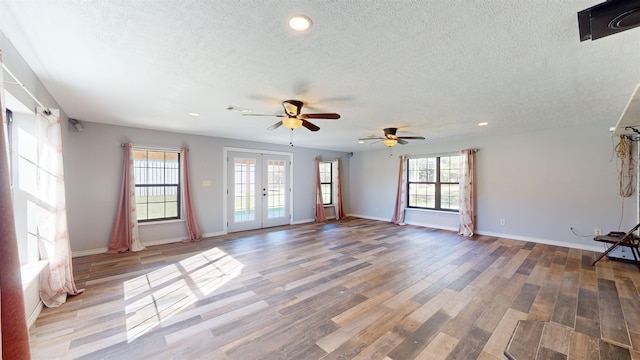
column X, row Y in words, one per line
column 621, row 214
column 626, row 176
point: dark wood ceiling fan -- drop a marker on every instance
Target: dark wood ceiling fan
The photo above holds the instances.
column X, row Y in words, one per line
column 390, row 138
column 293, row 118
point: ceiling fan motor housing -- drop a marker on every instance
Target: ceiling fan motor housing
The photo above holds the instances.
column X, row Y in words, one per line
column 292, row 107
column 390, row 133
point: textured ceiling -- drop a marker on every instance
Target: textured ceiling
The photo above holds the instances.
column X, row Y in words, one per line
column 432, row 68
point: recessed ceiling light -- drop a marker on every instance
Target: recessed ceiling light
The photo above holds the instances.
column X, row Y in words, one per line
column 300, row 22
column 194, row 114
column 361, row 142
column 483, row 123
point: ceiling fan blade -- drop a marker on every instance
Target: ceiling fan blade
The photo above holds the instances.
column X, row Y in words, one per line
column 275, row 126
column 402, row 142
column 280, row 115
column 330, row 116
column 412, row 137
column 310, row 126
column 372, row 138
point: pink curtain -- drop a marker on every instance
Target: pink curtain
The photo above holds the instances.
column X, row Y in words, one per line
column 124, row 234
column 467, row 195
column 320, row 215
column 337, row 195
column 398, row 212
column 56, row 280
column 189, row 213
column 13, row 320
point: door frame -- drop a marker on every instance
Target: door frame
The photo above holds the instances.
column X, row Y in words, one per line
column 225, row 197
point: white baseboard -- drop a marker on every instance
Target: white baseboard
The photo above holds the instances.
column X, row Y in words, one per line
column 592, row 247
column 144, row 243
column 434, row 226
column 31, row 319
column 588, row 247
column 369, row 217
column 303, row 221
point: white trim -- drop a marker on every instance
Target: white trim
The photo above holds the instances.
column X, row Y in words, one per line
column 596, row 247
column 159, row 222
column 434, row 226
column 256, row 151
column 31, row 277
column 31, row 272
column 34, row 314
column 225, row 195
column 303, row 221
column 97, row 251
column 370, row 217
column 144, row 243
column 593, row 247
column 434, row 211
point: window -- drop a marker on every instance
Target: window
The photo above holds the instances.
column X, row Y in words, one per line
column 433, row 182
column 326, row 182
column 157, row 178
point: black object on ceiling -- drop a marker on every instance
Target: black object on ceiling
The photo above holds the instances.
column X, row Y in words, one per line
column 608, row 18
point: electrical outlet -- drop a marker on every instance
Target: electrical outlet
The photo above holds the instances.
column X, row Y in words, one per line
column 502, row 222
column 597, row 231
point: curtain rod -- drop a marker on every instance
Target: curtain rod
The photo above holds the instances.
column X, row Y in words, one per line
column 474, row 150
column 156, row 147
column 19, row 83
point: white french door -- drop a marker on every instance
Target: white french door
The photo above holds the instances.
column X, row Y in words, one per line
column 258, row 190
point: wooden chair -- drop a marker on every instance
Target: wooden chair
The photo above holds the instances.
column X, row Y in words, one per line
column 628, row 239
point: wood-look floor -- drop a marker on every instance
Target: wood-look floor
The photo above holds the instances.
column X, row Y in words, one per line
column 353, row 289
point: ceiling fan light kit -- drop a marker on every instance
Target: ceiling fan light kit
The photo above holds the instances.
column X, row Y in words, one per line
column 390, row 142
column 292, row 122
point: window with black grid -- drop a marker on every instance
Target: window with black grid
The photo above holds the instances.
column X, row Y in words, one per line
column 157, row 179
column 433, row 182
column 326, row 182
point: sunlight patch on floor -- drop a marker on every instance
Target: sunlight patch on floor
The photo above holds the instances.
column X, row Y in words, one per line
column 165, row 292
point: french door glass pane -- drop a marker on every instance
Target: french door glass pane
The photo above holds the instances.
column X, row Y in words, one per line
column 276, row 182
column 245, row 186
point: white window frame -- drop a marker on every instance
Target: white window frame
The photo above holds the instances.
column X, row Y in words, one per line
column 179, row 185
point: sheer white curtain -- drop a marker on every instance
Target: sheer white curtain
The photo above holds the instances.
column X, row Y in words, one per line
column 320, row 215
column 337, row 193
column 401, row 205
column 467, row 193
column 56, row 281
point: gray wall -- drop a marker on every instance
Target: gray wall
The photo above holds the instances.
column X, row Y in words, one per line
column 93, row 172
column 541, row 183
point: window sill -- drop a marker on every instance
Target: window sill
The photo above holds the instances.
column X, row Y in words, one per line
column 329, row 206
column 161, row 222
column 31, row 272
column 434, row 211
